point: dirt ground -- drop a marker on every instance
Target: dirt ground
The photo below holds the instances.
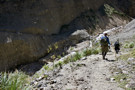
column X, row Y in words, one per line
column 89, row 73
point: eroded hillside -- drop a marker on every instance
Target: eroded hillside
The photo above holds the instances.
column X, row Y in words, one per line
column 29, row 28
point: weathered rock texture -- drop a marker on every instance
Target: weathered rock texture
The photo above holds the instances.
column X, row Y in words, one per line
column 44, row 16
column 127, row 6
column 27, row 26
column 16, row 49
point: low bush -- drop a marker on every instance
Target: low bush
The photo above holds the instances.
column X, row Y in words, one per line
column 46, row 67
column 87, row 52
column 59, row 64
column 14, row 81
column 76, row 57
column 95, row 51
column 67, row 60
column 126, row 45
column 131, row 45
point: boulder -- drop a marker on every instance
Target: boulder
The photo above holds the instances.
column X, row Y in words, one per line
column 16, row 49
column 79, row 36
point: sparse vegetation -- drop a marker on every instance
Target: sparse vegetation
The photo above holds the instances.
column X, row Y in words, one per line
column 67, row 60
column 59, row 57
column 56, row 46
column 87, row 52
column 130, row 54
column 131, row 45
column 59, row 64
column 95, row 51
column 121, row 79
column 46, row 67
column 126, row 45
column 14, row 81
column 125, row 56
column 49, row 49
column 76, row 57
column 109, row 10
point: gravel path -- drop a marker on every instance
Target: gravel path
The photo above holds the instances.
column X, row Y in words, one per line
column 90, row 74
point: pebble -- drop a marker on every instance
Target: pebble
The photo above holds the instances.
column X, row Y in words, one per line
column 121, row 80
column 125, row 72
column 112, row 79
column 116, row 72
column 130, row 59
column 39, row 79
column 39, row 85
column 81, row 79
column 84, row 58
column 53, row 81
column 127, row 86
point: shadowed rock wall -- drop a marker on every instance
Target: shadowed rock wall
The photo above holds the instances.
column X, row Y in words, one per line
column 42, row 16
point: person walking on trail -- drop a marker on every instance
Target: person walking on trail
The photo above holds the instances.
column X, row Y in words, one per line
column 117, row 46
column 105, row 45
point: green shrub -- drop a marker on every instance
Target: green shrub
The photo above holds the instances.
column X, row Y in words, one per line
column 126, row 45
column 46, row 67
column 95, row 51
column 133, row 53
column 120, row 76
column 131, row 45
column 97, row 44
column 14, row 81
column 67, row 60
column 76, row 57
column 59, row 64
column 87, row 52
column 59, row 57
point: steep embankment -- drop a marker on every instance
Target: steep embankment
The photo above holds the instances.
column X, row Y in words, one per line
column 92, row 72
column 27, row 28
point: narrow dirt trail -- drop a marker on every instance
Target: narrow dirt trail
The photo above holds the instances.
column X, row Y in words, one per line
column 90, row 74
column 100, row 74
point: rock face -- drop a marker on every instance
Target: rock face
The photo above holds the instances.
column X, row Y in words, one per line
column 16, row 49
column 42, row 16
column 27, row 26
column 127, row 6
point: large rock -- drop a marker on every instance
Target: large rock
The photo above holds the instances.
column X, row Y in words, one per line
column 16, row 49
column 42, row 16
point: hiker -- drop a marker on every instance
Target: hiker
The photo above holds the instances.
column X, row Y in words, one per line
column 117, row 46
column 105, row 45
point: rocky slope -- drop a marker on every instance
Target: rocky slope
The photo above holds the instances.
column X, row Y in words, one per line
column 27, row 28
column 91, row 72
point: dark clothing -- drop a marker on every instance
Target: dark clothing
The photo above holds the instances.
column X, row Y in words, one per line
column 117, row 46
column 104, row 54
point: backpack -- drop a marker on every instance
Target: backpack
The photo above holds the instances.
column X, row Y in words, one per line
column 117, row 45
column 103, row 41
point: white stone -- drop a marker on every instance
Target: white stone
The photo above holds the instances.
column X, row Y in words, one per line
column 112, row 79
